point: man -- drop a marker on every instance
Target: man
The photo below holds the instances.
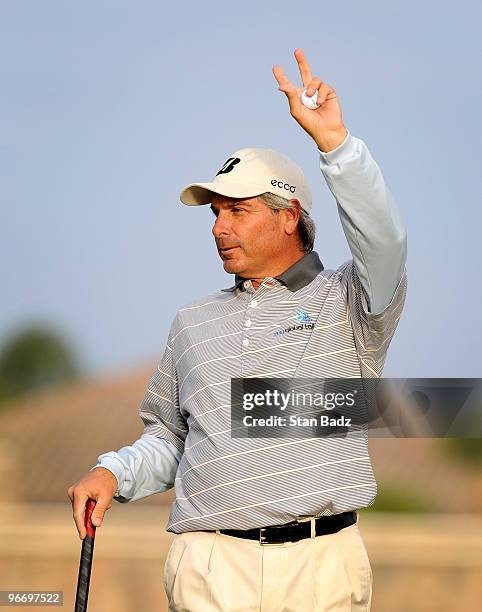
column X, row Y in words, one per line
column 269, row 524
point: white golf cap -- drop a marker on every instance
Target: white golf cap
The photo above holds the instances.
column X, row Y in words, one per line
column 250, row 172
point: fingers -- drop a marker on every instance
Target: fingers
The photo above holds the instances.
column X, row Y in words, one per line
column 79, row 500
column 313, row 85
column 284, row 83
column 288, row 88
column 310, row 83
column 325, row 92
column 305, row 70
column 101, row 506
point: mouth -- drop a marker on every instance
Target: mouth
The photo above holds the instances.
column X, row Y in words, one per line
column 227, row 251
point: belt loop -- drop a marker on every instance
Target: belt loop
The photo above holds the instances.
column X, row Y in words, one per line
column 218, row 532
column 313, row 527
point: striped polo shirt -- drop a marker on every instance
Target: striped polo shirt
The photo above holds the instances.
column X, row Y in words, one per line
column 224, row 482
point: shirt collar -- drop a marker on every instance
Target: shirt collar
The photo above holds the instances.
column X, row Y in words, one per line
column 295, row 277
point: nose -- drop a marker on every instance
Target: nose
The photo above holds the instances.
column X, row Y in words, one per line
column 221, row 226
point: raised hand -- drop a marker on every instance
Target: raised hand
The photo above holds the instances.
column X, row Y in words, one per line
column 323, row 124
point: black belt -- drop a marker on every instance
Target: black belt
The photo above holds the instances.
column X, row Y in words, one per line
column 295, row 530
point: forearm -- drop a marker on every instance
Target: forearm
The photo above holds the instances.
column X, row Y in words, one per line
column 370, row 219
column 146, row 467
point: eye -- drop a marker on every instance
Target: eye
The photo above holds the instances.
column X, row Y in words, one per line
column 237, row 210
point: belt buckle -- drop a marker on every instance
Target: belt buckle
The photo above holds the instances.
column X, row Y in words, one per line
column 262, row 538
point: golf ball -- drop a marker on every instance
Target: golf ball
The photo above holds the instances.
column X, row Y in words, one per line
column 309, row 101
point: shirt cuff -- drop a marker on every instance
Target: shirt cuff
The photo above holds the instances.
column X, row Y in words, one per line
column 343, row 151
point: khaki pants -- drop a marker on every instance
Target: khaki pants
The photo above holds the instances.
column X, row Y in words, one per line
column 211, row 571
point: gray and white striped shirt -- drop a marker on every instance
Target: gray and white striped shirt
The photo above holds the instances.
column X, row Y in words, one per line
column 225, row 482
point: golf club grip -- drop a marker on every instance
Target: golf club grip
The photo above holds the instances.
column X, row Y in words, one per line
column 86, row 557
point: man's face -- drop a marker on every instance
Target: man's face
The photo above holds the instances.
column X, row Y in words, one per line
column 249, row 235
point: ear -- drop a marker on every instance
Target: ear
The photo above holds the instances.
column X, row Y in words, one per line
column 292, row 216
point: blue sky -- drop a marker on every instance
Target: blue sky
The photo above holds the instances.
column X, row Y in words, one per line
column 110, row 108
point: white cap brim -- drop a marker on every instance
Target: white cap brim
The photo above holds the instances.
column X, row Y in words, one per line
column 197, row 194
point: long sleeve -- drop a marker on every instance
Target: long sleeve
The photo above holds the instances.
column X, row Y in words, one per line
column 146, row 467
column 370, row 219
column 150, row 464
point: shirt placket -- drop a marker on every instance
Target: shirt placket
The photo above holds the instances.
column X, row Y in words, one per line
column 253, row 308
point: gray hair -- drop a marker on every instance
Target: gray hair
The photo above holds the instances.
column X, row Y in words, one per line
column 306, row 225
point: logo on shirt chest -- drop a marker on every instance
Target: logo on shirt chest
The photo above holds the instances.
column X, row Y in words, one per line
column 304, row 321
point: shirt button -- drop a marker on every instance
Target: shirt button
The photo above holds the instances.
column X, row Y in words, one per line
column 245, row 342
column 247, row 323
column 254, row 303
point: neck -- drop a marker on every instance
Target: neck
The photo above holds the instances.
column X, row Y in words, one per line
column 276, row 269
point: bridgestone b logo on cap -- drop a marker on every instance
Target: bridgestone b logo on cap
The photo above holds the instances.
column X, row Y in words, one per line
column 229, row 165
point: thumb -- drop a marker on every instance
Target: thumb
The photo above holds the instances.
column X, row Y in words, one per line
column 100, row 509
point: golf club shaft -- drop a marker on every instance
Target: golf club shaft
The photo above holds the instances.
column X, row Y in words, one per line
column 85, row 560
